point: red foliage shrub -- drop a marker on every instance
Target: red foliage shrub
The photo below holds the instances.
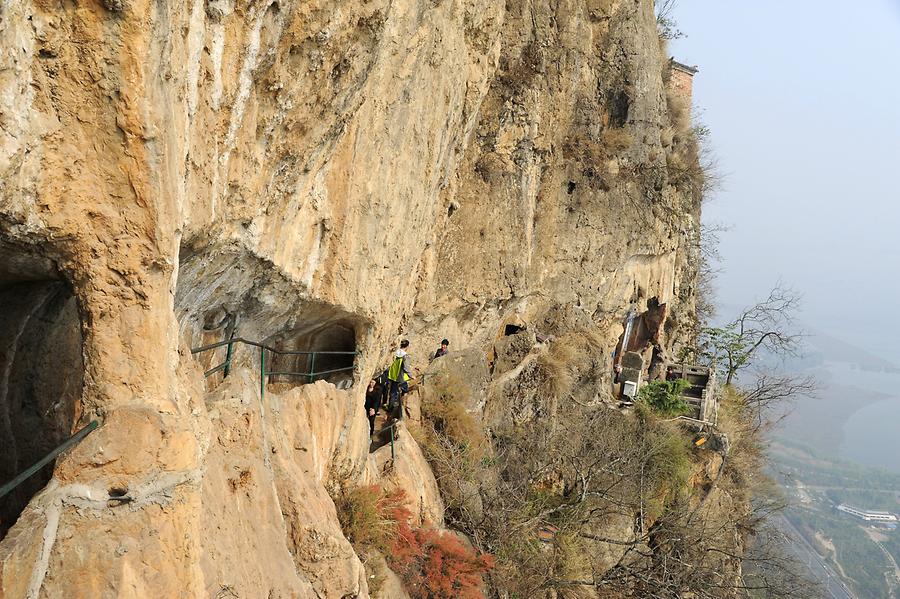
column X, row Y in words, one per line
column 452, row 569
column 432, row 565
column 437, row 566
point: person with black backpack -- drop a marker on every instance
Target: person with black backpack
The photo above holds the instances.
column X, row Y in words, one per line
column 384, row 385
column 399, row 375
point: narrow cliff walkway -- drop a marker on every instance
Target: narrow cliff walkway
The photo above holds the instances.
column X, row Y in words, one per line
column 268, row 355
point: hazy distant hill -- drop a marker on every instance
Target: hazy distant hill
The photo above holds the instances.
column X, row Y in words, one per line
column 832, row 349
column 820, row 347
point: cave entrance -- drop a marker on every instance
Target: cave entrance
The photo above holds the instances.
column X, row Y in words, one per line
column 333, row 358
column 512, row 329
column 41, row 371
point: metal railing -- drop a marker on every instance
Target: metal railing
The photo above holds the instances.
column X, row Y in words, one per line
column 390, row 428
column 311, row 375
column 33, row 469
column 393, row 453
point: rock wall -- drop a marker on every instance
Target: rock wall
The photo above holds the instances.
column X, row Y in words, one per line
column 419, row 168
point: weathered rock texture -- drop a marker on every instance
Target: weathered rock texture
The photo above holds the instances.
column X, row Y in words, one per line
column 324, row 172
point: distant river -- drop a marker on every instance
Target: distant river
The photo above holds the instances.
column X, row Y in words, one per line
column 872, row 434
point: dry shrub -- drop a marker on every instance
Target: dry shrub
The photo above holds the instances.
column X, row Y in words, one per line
column 689, row 161
column 668, row 467
column 579, row 342
column 679, row 111
column 666, row 463
column 526, row 563
column 616, row 140
column 370, row 517
column 555, row 374
column 569, row 360
column 746, row 457
column 573, row 563
column 521, row 72
column 456, row 447
column 447, row 414
column 595, row 158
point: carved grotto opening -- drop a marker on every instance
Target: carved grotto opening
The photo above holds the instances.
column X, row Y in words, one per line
column 325, row 351
column 227, row 294
column 41, row 370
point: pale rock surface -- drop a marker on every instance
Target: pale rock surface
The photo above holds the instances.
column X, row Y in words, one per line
column 427, row 168
column 409, row 471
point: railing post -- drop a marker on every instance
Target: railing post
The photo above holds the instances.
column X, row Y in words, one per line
column 312, row 367
column 262, row 373
column 229, row 333
column 392, row 443
column 228, row 359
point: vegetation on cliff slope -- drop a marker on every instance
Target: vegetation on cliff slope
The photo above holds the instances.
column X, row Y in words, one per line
column 584, row 500
column 591, row 502
column 432, row 564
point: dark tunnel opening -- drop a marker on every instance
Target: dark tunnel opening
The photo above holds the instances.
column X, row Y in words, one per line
column 335, row 368
column 512, row 329
column 41, row 371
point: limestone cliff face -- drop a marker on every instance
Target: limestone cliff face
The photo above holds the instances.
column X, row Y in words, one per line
column 322, row 174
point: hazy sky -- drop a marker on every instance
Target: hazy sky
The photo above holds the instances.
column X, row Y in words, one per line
column 803, row 100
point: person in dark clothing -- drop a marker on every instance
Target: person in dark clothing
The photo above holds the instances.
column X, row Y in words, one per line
column 373, row 404
column 443, row 350
column 384, row 384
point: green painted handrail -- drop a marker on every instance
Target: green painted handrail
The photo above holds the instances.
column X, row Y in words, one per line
column 204, row 348
column 5, row 489
column 311, row 376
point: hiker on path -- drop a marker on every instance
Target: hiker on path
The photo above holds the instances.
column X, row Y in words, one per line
column 373, row 403
column 399, row 375
column 384, row 384
column 443, row 350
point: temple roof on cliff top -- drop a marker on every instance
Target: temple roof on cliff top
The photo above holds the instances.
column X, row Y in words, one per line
column 690, row 70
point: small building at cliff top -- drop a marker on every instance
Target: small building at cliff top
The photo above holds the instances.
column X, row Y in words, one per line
column 681, row 80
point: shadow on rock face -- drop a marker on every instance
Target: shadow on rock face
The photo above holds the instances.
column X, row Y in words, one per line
column 41, row 371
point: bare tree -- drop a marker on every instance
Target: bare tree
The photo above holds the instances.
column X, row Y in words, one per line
column 768, row 394
column 708, row 269
column 767, row 325
column 665, row 22
column 770, row 567
column 577, row 512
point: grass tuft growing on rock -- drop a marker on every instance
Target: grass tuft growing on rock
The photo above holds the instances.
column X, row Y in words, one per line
column 370, row 517
column 447, row 414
